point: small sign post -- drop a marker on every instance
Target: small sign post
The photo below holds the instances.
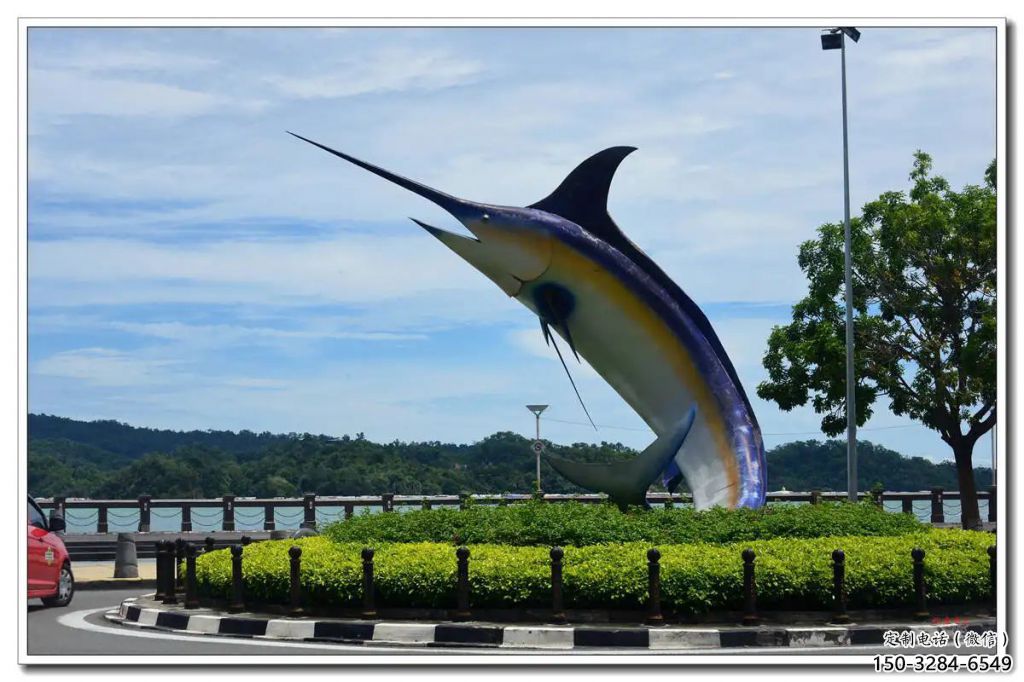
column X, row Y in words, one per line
column 538, row 444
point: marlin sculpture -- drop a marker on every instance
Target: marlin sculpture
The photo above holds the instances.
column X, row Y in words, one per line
column 566, row 260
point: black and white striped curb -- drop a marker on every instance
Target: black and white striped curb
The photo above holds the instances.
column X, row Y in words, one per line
column 518, row 636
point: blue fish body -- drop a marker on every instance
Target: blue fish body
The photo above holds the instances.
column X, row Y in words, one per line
column 566, row 260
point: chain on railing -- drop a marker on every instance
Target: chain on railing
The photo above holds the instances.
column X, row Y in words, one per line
column 90, row 517
column 324, row 516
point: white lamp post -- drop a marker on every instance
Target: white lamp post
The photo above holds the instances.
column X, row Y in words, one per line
column 538, row 447
column 835, row 39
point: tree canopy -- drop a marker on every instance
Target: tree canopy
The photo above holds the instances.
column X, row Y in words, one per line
column 924, row 296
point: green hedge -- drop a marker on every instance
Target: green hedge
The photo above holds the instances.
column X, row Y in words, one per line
column 578, row 524
column 696, row 578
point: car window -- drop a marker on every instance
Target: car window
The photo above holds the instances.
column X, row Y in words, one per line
column 35, row 516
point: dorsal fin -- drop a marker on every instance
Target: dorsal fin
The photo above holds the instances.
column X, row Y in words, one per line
column 583, row 196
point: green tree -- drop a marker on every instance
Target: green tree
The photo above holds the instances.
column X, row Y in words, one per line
column 924, row 290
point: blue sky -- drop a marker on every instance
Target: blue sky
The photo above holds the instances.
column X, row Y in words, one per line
column 192, row 266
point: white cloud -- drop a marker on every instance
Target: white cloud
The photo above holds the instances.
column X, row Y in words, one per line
column 228, row 334
column 355, row 269
column 98, row 59
column 387, row 70
column 60, row 94
column 531, row 341
column 103, row 367
column 939, row 50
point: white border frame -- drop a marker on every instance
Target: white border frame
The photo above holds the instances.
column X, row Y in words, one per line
column 440, row 659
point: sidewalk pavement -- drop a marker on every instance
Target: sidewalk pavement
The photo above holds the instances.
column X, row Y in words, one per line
column 99, row 575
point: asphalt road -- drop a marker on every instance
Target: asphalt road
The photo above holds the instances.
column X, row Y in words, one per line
column 81, row 629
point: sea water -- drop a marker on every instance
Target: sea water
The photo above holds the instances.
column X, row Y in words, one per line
column 168, row 519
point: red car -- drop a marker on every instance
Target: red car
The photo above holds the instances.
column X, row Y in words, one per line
column 49, row 566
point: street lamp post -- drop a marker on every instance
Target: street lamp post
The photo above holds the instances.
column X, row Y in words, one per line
column 835, row 39
column 537, row 445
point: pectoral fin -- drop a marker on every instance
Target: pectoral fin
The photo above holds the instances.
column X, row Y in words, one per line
column 571, row 381
column 627, row 482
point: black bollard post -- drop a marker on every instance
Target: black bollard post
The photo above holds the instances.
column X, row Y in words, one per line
column 237, row 594
column 839, row 615
column 815, row 497
column 907, row 505
column 179, row 558
column 161, row 571
column 246, row 541
column 425, row 504
column 102, row 526
column 229, row 512
column 348, row 510
column 170, row 579
column 209, row 544
column 463, row 500
column 191, row 592
column 186, row 518
column 60, row 505
column 387, row 502
column 749, row 589
column 654, row 616
column 309, row 510
column 295, row 591
column 144, row 507
column 268, row 517
column 938, row 514
column 462, row 586
column 557, row 607
column 992, row 576
column 369, row 607
column 920, row 591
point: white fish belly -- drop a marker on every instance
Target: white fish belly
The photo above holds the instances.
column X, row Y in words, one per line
column 639, row 361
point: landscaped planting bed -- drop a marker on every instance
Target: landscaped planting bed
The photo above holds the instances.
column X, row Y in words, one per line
column 577, row 524
column 697, row 577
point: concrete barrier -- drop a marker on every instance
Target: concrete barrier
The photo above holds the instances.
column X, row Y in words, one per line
column 126, row 560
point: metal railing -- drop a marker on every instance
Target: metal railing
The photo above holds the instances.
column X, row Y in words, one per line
column 247, row 509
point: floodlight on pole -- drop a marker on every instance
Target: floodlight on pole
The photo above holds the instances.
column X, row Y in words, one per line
column 834, row 39
column 538, row 446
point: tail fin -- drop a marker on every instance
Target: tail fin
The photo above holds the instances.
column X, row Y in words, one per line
column 626, row 482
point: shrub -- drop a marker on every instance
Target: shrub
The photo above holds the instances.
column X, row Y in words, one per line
column 696, row 578
column 578, row 524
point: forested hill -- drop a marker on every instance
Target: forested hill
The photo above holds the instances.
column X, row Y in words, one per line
column 115, row 460
column 133, row 441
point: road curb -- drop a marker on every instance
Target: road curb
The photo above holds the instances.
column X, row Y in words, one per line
column 114, row 583
column 541, row 637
